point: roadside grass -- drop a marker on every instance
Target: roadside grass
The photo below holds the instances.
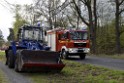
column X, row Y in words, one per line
column 75, row 72
column 2, row 56
column 3, row 78
column 115, row 56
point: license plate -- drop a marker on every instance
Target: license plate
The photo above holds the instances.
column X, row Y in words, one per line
column 80, row 50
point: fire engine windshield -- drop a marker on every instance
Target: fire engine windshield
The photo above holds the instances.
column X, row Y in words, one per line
column 33, row 35
column 78, row 35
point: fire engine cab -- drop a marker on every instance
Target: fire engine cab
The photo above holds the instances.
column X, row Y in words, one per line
column 69, row 42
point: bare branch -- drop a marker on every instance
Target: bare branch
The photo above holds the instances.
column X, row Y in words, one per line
column 121, row 2
column 79, row 13
column 69, row 20
column 122, row 10
column 61, row 7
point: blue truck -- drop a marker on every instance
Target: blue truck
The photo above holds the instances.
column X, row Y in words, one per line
column 31, row 53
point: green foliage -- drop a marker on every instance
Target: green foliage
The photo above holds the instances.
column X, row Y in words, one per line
column 19, row 21
column 1, row 39
column 106, row 39
column 122, row 39
column 17, row 25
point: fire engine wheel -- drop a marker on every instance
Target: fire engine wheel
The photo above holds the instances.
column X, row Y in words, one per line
column 82, row 56
column 11, row 59
column 64, row 54
column 18, row 62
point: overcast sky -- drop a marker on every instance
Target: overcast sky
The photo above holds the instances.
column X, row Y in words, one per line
column 6, row 17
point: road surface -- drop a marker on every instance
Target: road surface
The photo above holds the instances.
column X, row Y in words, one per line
column 115, row 64
column 14, row 77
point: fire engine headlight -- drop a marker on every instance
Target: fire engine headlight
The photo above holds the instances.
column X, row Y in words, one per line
column 72, row 50
column 86, row 50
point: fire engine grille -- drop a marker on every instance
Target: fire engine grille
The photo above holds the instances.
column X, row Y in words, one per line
column 80, row 44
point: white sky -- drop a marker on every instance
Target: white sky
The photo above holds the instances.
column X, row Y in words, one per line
column 6, row 17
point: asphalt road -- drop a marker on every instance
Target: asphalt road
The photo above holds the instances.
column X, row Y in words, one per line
column 14, row 77
column 115, row 64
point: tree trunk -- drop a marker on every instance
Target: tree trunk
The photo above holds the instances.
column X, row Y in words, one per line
column 117, row 28
column 94, row 24
column 92, row 30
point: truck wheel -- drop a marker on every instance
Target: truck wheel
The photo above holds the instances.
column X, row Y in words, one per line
column 64, row 54
column 16, row 65
column 6, row 52
column 11, row 59
column 82, row 56
column 18, row 62
column 20, row 65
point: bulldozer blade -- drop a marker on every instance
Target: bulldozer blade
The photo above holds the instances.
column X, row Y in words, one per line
column 41, row 61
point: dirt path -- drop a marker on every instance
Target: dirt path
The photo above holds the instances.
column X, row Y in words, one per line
column 13, row 76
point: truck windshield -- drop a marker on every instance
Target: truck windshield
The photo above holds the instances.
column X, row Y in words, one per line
column 78, row 35
column 33, row 35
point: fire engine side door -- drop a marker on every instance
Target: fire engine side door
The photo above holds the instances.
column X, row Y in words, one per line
column 62, row 41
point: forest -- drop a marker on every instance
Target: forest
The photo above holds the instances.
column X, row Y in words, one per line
column 104, row 19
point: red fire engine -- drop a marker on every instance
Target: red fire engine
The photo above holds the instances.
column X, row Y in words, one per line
column 69, row 42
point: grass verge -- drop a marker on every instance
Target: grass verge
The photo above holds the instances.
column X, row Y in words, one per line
column 75, row 72
column 115, row 56
column 2, row 56
column 3, row 78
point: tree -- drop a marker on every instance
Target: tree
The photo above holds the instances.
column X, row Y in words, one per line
column 1, row 38
column 92, row 18
column 43, row 9
column 11, row 35
column 19, row 21
column 29, row 14
column 119, row 9
column 50, row 11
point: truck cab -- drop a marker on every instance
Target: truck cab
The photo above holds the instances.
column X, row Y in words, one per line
column 31, row 37
column 74, row 43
